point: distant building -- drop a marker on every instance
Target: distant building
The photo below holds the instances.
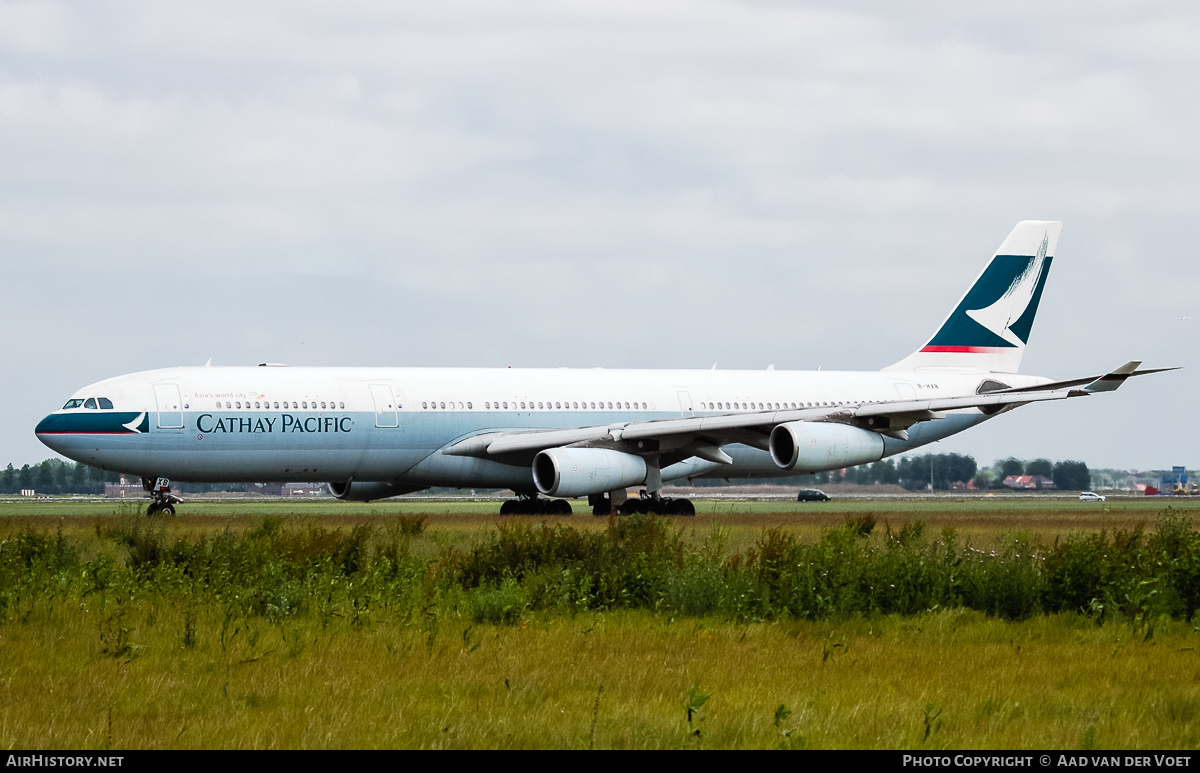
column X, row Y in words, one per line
column 1029, row 482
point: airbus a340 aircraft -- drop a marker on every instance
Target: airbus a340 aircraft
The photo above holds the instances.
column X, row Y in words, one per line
column 380, row 432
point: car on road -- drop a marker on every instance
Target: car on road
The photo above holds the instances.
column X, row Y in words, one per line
column 1090, row 496
column 812, row 495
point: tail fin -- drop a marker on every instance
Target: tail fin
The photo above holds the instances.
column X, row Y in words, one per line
column 990, row 326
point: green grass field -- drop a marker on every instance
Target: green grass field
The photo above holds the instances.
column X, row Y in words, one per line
column 343, row 626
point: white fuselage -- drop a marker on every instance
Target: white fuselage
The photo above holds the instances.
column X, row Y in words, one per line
column 278, row 424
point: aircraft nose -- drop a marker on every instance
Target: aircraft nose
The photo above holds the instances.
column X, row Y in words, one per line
column 48, row 431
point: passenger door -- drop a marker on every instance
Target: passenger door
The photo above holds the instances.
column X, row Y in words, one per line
column 170, row 411
column 385, row 406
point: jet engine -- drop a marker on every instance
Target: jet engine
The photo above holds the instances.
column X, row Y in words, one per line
column 807, row 446
column 368, row 491
column 577, row 472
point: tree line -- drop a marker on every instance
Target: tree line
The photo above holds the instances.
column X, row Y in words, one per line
column 947, row 471
column 54, row 476
column 915, row 473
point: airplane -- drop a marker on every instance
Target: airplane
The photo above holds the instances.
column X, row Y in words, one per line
column 374, row 433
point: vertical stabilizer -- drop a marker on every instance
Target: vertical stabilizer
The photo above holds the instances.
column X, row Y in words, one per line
column 990, row 326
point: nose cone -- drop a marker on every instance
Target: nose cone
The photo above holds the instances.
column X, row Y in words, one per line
column 50, row 431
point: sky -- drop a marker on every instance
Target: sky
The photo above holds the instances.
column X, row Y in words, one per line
column 616, row 184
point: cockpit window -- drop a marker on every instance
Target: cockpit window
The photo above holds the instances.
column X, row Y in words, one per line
column 91, row 403
column 105, row 404
column 74, row 403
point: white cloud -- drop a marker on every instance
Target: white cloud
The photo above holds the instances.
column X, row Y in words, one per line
column 448, row 182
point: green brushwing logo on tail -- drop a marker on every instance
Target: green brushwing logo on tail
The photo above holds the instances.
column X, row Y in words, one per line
column 997, row 312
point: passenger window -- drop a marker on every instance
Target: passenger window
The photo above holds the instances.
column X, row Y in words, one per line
column 468, row 405
column 276, row 406
column 442, row 406
column 341, row 406
column 322, row 405
column 506, row 406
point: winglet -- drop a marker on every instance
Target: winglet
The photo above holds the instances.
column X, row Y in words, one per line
column 1110, row 381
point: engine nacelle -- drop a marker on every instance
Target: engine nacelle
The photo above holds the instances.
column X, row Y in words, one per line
column 807, row 446
column 577, row 472
column 369, row 491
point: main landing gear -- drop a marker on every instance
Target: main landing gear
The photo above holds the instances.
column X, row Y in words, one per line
column 527, row 504
column 162, row 501
column 653, row 504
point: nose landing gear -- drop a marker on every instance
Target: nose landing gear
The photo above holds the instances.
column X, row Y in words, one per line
column 161, row 499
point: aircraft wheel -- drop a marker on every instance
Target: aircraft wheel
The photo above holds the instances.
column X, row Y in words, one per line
column 562, row 507
column 683, row 507
column 630, row 507
column 153, row 509
column 509, row 507
column 168, row 510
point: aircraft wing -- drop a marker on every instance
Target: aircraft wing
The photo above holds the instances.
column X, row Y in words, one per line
column 704, row 435
column 1116, row 378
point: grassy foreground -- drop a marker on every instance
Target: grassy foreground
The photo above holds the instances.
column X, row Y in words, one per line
column 952, row 679
column 739, row 631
